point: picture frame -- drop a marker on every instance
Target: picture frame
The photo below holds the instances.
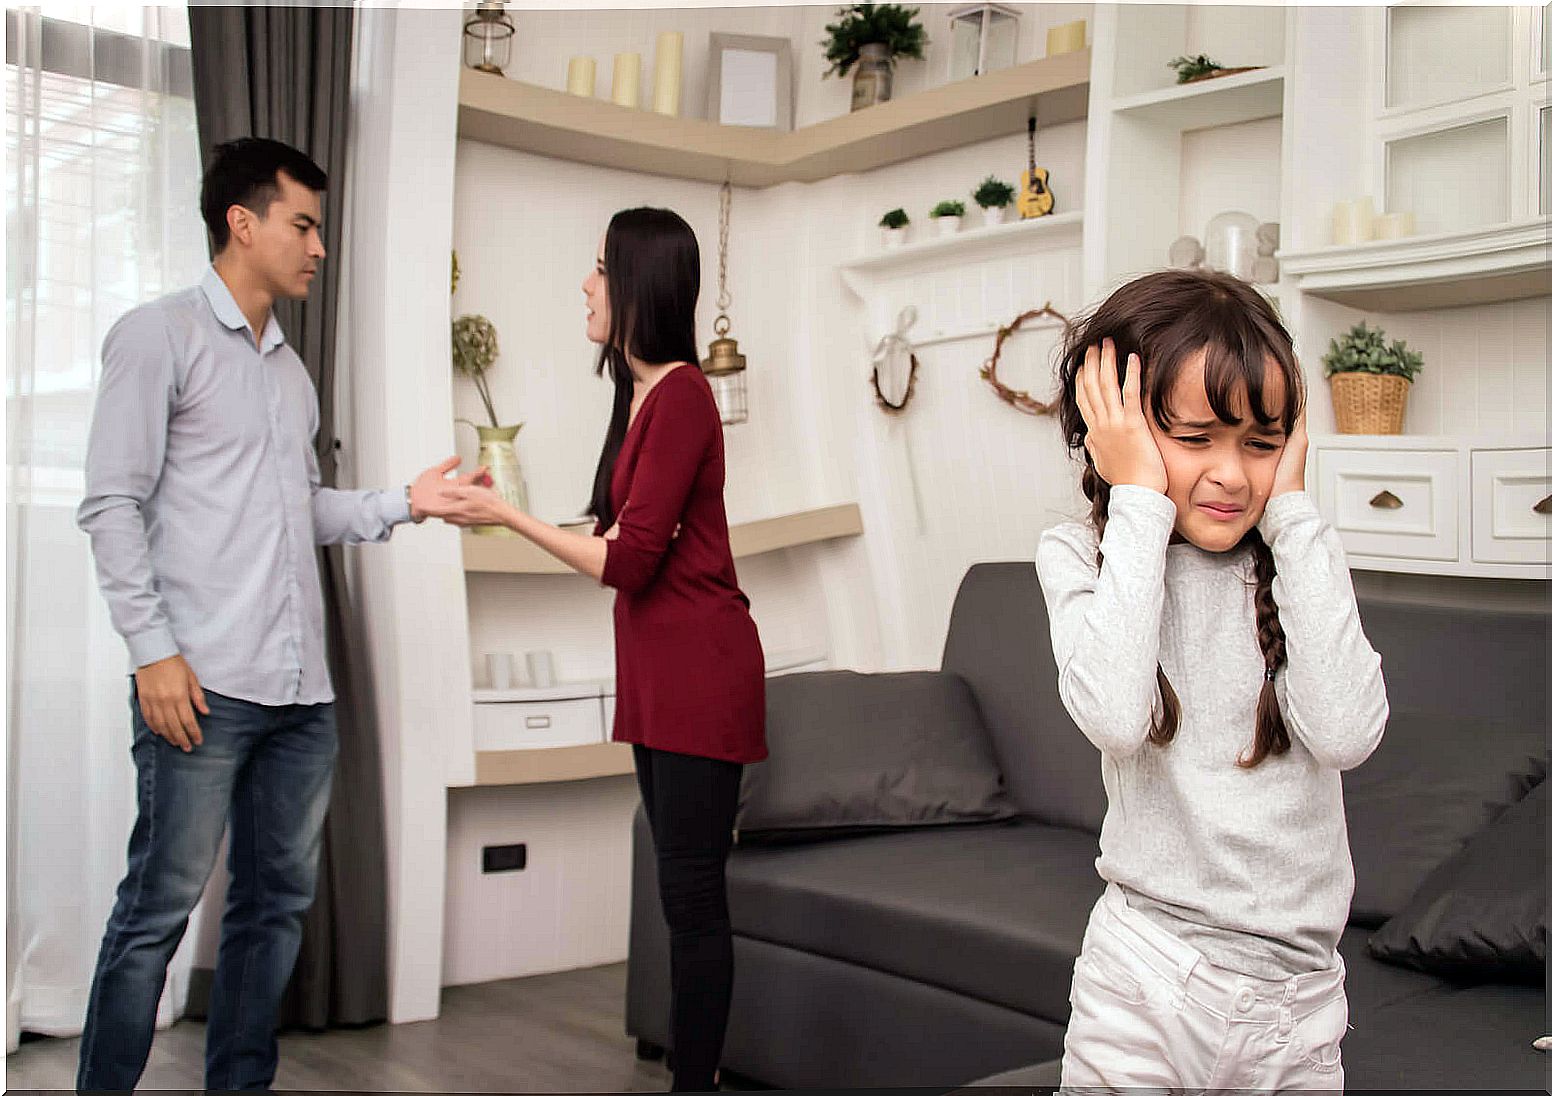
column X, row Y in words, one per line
column 749, row 81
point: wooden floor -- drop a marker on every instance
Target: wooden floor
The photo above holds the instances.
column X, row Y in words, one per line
column 551, row 1033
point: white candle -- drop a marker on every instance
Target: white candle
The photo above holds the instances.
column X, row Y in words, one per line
column 1363, row 219
column 579, row 76
column 1393, row 226
column 626, row 89
column 1352, row 222
column 666, row 72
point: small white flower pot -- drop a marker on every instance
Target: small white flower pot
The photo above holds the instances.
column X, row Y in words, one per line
column 995, row 215
column 947, row 226
column 893, row 237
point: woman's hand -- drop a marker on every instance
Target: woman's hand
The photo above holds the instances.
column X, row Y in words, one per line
column 1118, row 440
column 473, row 505
column 1290, row 466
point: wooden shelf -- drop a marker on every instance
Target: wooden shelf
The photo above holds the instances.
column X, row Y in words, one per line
column 493, row 768
column 516, row 556
column 1447, row 270
column 1224, row 101
column 522, row 116
column 974, row 245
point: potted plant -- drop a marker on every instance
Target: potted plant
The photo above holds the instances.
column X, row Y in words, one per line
column 947, row 215
column 993, row 196
column 1370, row 380
column 894, row 225
column 871, row 36
column 475, row 350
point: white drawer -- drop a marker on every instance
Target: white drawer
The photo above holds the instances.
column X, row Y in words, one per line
column 1507, row 486
column 1392, row 502
column 526, row 725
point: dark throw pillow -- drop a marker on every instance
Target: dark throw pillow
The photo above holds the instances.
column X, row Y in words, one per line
column 1482, row 915
column 853, row 753
column 1433, row 783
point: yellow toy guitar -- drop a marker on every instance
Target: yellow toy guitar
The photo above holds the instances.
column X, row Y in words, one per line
column 1035, row 198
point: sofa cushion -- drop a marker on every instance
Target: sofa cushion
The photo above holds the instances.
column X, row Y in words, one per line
column 1482, row 915
column 869, row 751
column 999, row 640
column 997, row 913
column 1432, row 783
column 1450, row 1037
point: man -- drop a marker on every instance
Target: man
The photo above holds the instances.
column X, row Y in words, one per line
column 203, row 505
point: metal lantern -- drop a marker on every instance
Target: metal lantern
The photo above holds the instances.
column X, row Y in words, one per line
column 723, row 365
column 984, row 37
column 487, row 37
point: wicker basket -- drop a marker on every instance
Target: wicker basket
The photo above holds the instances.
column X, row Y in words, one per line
column 1369, row 403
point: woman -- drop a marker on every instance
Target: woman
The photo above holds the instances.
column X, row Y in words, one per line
column 689, row 671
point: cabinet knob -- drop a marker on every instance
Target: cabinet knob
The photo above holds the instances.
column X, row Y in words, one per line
column 1386, row 501
column 1544, row 506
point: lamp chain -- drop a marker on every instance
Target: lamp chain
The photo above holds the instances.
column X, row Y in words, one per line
column 724, row 300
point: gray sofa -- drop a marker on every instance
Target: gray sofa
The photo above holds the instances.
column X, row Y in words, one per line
column 938, row 956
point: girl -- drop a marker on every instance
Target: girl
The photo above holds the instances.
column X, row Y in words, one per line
column 689, row 670
column 1208, row 643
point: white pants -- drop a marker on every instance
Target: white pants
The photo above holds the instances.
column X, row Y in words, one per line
column 1149, row 1012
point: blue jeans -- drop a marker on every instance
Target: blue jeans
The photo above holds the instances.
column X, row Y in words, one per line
column 266, row 770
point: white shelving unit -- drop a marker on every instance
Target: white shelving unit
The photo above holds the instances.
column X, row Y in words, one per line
column 1358, row 102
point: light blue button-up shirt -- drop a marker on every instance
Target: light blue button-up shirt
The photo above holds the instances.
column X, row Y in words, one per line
column 203, row 500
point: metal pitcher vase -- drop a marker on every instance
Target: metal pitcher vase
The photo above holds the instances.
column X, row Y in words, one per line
column 498, row 453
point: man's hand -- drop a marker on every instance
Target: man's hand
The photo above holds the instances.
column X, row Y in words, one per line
column 169, row 692
column 426, row 499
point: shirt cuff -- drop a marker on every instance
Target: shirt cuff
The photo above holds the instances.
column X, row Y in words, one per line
column 1145, row 502
column 150, row 646
column 1285, row 511
column 396, row 506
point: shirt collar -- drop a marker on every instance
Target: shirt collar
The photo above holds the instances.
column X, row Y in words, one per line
column 224, row 305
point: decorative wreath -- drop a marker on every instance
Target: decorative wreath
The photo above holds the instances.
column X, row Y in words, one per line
column 910, row 389
column 1021, row 401
column 890, row 344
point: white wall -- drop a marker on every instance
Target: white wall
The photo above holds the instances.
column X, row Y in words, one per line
column 404, row 99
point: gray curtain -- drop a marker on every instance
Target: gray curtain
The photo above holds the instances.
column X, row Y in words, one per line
column 283, row 72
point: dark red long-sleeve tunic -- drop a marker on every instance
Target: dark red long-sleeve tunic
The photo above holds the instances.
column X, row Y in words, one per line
column 689, row 670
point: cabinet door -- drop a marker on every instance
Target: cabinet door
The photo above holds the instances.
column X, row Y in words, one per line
column 523, row 725
column 1511, row 505
column 1399, row 503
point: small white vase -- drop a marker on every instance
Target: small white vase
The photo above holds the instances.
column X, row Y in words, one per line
column 995, row 215
column 893, row 237
column 947, row 226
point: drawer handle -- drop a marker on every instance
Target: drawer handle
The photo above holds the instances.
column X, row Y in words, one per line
column 1386, row 501
column 537, row 722
column 1544, row 506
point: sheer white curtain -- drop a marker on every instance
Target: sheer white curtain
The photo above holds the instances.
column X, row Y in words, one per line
column 101, row 215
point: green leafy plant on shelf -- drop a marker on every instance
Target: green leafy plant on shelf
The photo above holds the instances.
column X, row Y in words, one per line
column 895, row 218
column 948, row 208
column 1363, row 350
column 858, row 25
column 993, row 193
column 1193, row 68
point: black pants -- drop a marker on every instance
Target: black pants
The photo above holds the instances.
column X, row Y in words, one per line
column 691, row 803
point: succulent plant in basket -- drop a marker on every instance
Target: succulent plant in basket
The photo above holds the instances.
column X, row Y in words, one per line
column 993, row 196
column 1370, row 379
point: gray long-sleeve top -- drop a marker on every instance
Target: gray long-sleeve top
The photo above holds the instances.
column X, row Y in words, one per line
column 1249, row 866
column 203, row 500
